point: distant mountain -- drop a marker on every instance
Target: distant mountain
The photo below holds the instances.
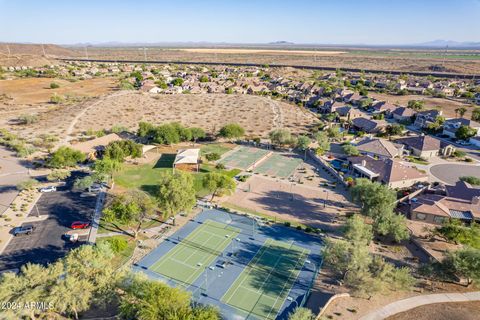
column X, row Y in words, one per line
column 449, row 43
column 281, row 42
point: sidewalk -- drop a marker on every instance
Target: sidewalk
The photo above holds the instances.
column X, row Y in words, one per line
column 413, row 302
column 92, row 236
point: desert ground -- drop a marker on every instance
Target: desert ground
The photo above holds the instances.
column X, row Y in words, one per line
column 257, row 115
column 442, row 311
column 262, row 51
column 447, row 105
column 361, row 59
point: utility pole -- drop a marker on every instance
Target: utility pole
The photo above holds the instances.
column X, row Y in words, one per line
column 43, row 49
column 8, row 49
column 86, row 52
column 145, row 53
column 444, row 56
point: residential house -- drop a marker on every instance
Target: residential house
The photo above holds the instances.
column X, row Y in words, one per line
column 435, row 209
column 391, row 172
column 331, row 106
column 403, row 114
column 424, row 118
column 426, row 147
column 477, row 98
column 416, row 90
column 353, row 98
column 380, row 148
column 384, row 107
column 368, row 125
column 451, row 126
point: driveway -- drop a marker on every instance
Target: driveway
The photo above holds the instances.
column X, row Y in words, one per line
column 450, row 173
column 12, row 171
column 46, row 243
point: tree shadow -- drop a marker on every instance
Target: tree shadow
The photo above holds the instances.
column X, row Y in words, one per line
column 165, row 161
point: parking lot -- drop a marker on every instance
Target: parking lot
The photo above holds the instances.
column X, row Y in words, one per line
column 46, row 243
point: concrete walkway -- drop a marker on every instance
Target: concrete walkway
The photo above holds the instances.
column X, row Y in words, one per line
column 92, row 237
column 413, row 302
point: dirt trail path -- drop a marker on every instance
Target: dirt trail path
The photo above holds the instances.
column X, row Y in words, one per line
column 277, row 114
column 72, row 125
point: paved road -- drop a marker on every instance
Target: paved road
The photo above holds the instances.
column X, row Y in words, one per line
column 46, row 244
column 450, row 173
column 410, row 303
column 12, row 171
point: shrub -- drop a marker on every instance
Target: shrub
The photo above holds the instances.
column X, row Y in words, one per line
column 27, row 184
column 56, row 99
column 299, row 227
column 220, row 166
column 286, row 224
column 213, row 156
column 54, row 85
column 27, row 119
column 308, row 229
column 471, row 179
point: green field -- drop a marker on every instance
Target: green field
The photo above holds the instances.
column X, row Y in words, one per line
column 121, row 257
column 146, row 176
column 278, row 166
column 263, row 286
column 189, row 258
column 243, row 157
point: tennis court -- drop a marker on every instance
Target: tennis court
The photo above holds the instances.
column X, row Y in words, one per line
column 278, row 166
column 191, row 255
column 244, row 157
column 263, row 286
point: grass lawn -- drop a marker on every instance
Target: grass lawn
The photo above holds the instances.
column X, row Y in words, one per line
column 123, row 256
column 219, row 148
column 145, row 177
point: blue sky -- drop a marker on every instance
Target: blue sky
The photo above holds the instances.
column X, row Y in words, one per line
column 240, row 21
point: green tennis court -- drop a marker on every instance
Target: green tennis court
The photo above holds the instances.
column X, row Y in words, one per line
column 243, row 157
column 263, row 286
column 278, row 166
column 189, row 258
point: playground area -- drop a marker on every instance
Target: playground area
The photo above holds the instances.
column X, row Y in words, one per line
column 244, row 157
column 249, row 270
column 277, row 165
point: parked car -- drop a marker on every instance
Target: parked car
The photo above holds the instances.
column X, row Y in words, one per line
column 25, row 229
column 464, row 143
column 48, row 189
column 80, row 225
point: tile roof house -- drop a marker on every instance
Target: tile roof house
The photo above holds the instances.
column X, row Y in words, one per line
column 475, row 141
column 391, row 172
column 403, row 114
column 424, row 118
column 434, row 208
column 380, row 148
column 451, row 126
column 462, row 190
column 368, row 125
column 384, row 107
column 331, row 106
column 426, row 146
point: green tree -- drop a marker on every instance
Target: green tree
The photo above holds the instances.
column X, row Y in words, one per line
column 65, row 157
column 301, row 314
column 175, row 193
column 151, row 300
column 323, row 142
column 197, row 133
column 378, row 202
column 281, row 137
column 105, row 169
column 212, row 156
column 218, row 184
column 465, row 263
column 465, row 132
column 461, row 111
column 84, row 183
column 57, row 175
column 303, row 142
column 357, row 231
column 232, row 131
column 350, row 150
column 145, row 129
column 476, row 114
column 416, row 104
column 131, row 209
column 119, row 150
column 177, row 82
column 395, row 129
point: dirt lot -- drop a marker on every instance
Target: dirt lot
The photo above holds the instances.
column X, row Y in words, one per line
column 37, row 90
column 442, row 311
column 351, row 59
column 273, row 197
column 448, row 106
column 264, row 51
column 257, row 115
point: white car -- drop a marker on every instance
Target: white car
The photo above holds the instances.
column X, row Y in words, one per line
column 48, row 189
